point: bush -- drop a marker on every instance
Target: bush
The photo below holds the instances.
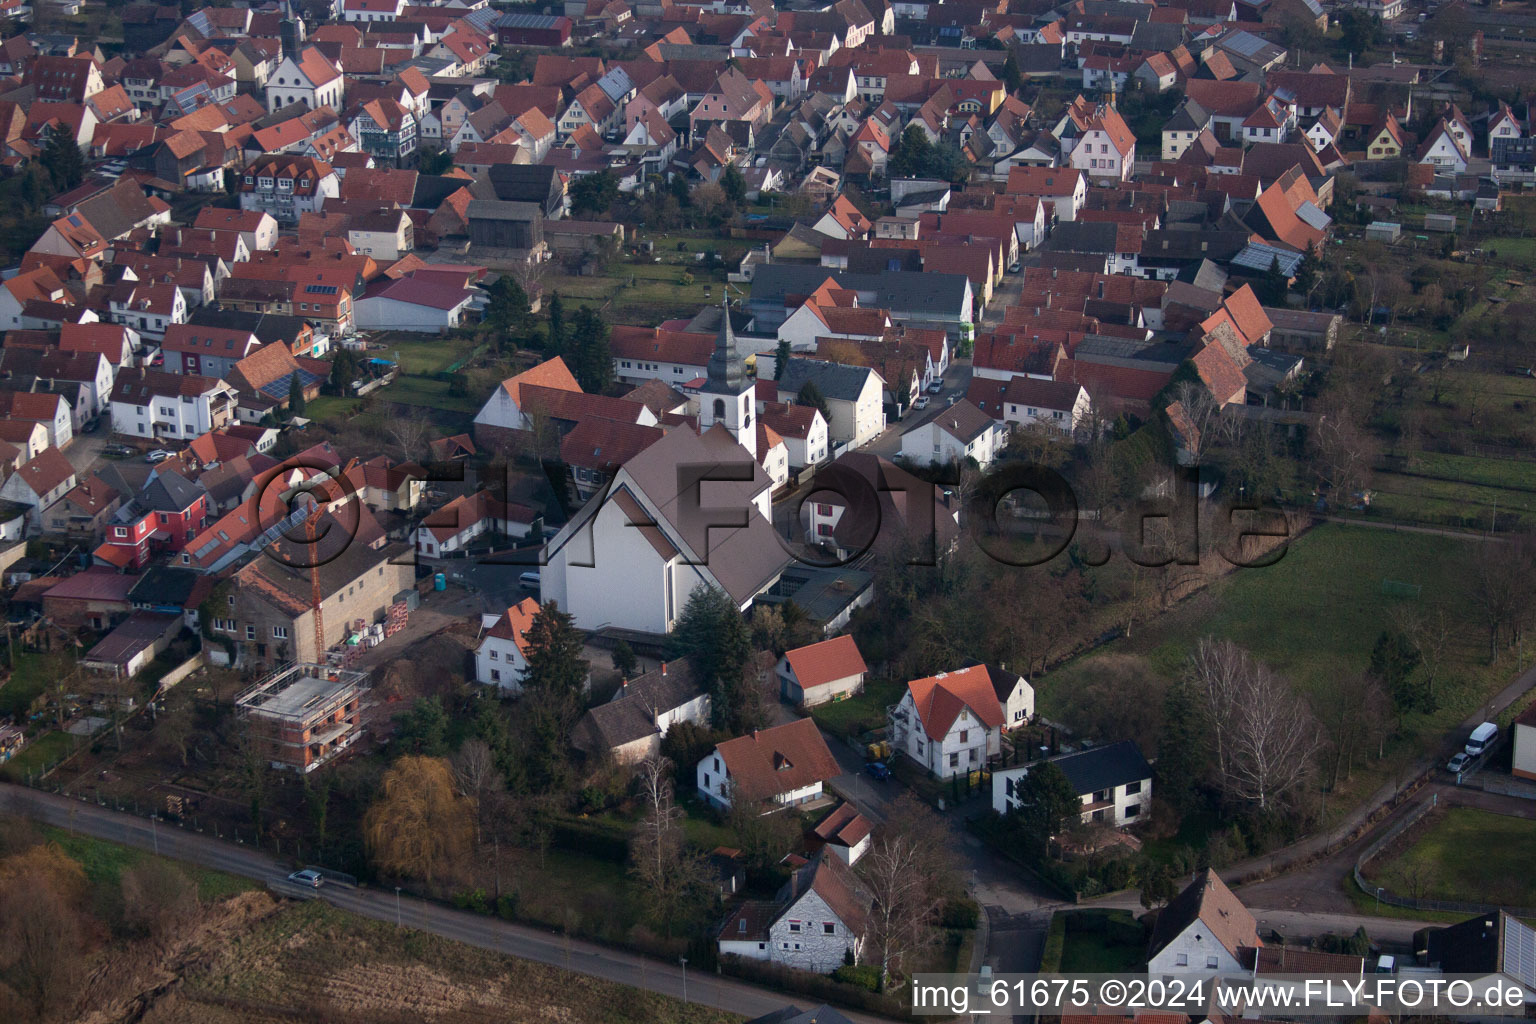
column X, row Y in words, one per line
column 822, row 987
column 604, row 840
column 506, row 906
column 963, row 913
column 866, row 976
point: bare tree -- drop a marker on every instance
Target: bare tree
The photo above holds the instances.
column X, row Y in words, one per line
column 1430, row 631
column 1352, row 711
column 1501, row 588
column 409, row 432
column 907, row 875
column 671, row 874
column 1203, row 412
column 1345, row 452
column 1265, row 739
column 475, row 775
column 158, row 898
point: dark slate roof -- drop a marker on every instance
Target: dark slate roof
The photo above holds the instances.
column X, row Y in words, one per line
column 164, row 586
column 1190, row 117
column 1157, row 36
column 834, row 380
column 1085, row 236
column 268, row 327
column 1104, row 767
column 168, row 492
column 899, row 291
column 631, row 714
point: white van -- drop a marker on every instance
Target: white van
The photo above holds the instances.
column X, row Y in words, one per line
column 1481, row 739
column 529, row 580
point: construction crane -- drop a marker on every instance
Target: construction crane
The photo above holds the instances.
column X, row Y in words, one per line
column 315, row 596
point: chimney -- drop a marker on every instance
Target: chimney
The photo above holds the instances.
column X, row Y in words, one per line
column 754, row 735
column 624, row 688
column 663, row 668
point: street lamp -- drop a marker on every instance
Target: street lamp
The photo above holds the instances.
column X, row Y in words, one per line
column 684, row 961
column 397, row 906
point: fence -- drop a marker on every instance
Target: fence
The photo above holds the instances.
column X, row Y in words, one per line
column 1385, row 895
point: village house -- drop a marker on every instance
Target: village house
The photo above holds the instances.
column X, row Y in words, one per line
column 500, row 660
column 1204, row 929
column 950, row 723
column 826, row 671
column 818, row 923
column 1113, row 782
column 783, row 765
column 630, row 727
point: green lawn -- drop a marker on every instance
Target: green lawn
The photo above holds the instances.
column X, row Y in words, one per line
column 859, row 714
column 1516, row 473
column 1315, row 615
column 427, row 393
column 423, row 355
column 1517, row 252
column 1102, row 942
column 33, row 672
column 104, row 864
column 1446, row 502
column 39, row 753
column 1468, row 855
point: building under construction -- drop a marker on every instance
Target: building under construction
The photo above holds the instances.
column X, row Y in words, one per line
column 303, row 715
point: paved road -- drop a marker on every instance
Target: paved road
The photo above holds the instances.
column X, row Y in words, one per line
column 485, row 932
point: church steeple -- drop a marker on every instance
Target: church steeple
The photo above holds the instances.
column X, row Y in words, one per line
column 727, row 367
column 728, row 397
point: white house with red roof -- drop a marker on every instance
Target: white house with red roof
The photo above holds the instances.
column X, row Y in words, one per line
column 645, row 353
column 425, row 303
column 1105, row 149
column 826, row 671
column 40, row 482
column 311, row 78
column 371, row 10
column 452, row 528
column 784, row 765
column 949, row 723
column 155, row 404
column 501, row 659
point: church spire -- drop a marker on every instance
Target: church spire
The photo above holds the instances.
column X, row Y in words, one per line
column 727, row 369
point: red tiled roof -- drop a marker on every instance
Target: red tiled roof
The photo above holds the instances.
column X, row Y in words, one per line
column 772, row 761
column 826, row 662
column 45, row 471
column 939, row 699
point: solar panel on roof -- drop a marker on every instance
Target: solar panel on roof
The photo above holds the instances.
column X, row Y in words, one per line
column 1520, row 952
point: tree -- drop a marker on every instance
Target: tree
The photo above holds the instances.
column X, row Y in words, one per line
column 419, row 827
column 714, row 636
column 624, row 660
column 1273, row 286
column 1264, row 737
column 423, row 729
column 1013, row 78
column 552, row 697
column 909, row 876
column 1500, row 587
column 594, row 193
column 343, row 373
column 434, row 161
column 1048, row 805
column 734, row 185
column 764, row 832
column 158, row 898
column 476, row 776
column 592, row 357
column 557, row 342
column 43, row 932
column 671, row 874
column 1350, row 710
column 508, row 306
column 810, row 395
column 295, row 396
column 1158, row 886
column 62, row 158
column 1393, row 661
column 780, row 359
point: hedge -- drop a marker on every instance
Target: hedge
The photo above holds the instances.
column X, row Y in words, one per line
column 815, row 986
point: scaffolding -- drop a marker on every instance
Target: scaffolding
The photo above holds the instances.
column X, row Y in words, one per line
column 304, row 714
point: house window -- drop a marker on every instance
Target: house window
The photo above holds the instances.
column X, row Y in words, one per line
column 1211, row 963
column 1181, row 960
column 954, row 760
column 250, row 632
column 1132, row 788
column 794, row 926
column 828, row 928
column 1132, row 810
column 495, row 675
column 964, row 735
column 495, row 656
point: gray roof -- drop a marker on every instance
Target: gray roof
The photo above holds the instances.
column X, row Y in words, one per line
column 1156, row 36
column 1190, row 117
column 962, row 421
column 499, row 209
column 514, row 20
column 168, row 492
column 1084, row 236
column 900, row 291
column 835, row 381
column 631, row 714
column 1104, row 767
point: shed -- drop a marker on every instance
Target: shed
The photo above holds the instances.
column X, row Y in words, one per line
column 1383, row 231
column 1443, row 222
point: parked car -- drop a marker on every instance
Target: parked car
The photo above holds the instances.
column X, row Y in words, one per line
column 119, row 451
column 878, row 770
column 313, row 879
column 936, row 387
column 1481, row 739
column 1459, row 763
column 158, row 455
column 1015, row 267
column 921, row 403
